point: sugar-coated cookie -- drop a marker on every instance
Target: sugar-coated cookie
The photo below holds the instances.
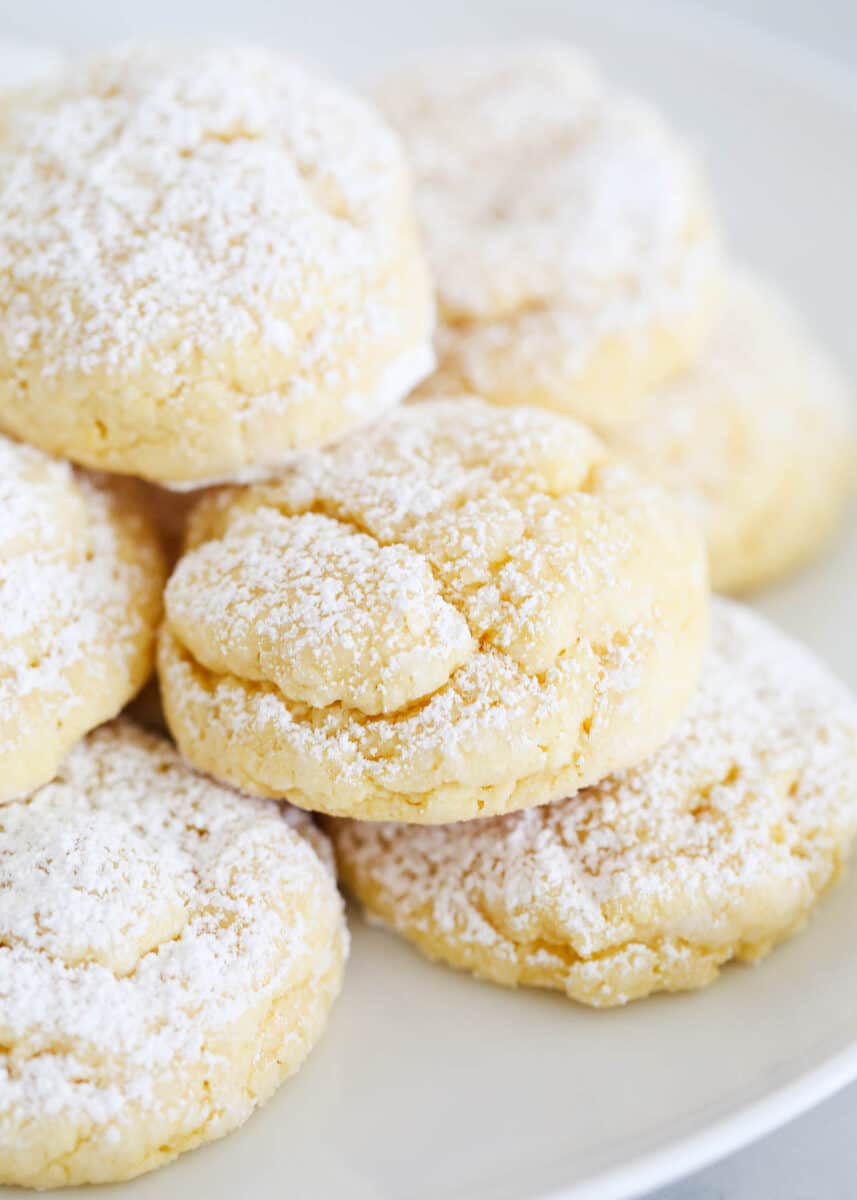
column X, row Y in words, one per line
column 208, row 261
column 755, row 439
column 169, row 952
column 715, row 848
column 458, row 611
column 81, row 581
column 569, row 232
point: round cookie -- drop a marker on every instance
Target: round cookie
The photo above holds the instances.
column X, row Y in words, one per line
column 569, row 232
column 756, row 439
column 715, row 848
column 458, row 611
column 169, row 953
column 209, row 261
column 81, row 582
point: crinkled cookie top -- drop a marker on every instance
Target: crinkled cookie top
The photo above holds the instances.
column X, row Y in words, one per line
column 188, row 201
column 717, row 845
column 144, row 912
column 540, row 188
column 453, row 574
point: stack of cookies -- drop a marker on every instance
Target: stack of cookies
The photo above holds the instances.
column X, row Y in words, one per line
column 462, row 614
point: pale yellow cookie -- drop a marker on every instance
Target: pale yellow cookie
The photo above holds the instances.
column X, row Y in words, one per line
column 458, row 611
column 715, row 848
column 756, row 440
column 568, row 229
column 169, row 952
column 81, row 581
column 208, row 261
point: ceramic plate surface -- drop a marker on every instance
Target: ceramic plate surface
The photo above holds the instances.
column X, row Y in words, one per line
column 430, row 1084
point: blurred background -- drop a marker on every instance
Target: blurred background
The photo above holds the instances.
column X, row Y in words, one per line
column 826, row 25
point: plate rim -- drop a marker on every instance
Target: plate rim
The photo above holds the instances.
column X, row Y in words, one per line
column 718, row 1139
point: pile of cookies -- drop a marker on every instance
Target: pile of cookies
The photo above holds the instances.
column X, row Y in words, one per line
column 447, row 588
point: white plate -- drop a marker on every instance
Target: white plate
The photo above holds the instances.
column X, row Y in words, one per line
column 430, row 1084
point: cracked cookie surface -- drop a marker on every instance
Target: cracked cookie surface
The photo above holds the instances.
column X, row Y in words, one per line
column 715, row 848
column 81, row 578
column 169, row 952
column 568, row 229
column 456, row 612
column 209, row 261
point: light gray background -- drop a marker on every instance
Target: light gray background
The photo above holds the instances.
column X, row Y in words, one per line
column 815, row 1157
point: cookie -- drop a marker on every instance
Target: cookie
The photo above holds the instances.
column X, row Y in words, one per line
column 169, row 953
column 715, row 848
column 81, row 582
column 209, row 261
column 459, row 611
column 756, row 439
column 569, row 231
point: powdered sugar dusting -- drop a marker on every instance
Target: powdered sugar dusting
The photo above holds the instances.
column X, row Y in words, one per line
column 364, row 623
column 540, row 587
column 758, row 431
column 556, row 211
column 159, row 203
column 77, row 607
column 715, row 846
column 144, row 912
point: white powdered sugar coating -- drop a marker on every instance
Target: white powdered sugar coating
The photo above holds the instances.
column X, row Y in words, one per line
column 187, row 201
column 79, row 598
column 145, row 914
column 451, row 606
column 756, row 439
column 715, row 846
column 51, row 590
column 545, row 196
column 762, row 376
column 360, row 620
